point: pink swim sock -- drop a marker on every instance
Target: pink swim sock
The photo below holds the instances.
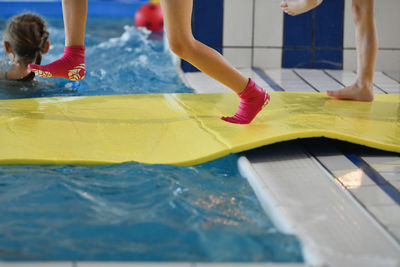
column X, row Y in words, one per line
column 253, row 99
column 71, row 66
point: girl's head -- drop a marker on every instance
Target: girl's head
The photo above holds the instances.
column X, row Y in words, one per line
column 26, row 38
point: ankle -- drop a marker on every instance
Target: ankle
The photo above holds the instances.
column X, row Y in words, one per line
column 245, row 93
column 252, row 91
column 75, row 50
column 364, row 84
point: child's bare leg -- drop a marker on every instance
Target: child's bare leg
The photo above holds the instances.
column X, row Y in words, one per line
column 74, row 13
column 296, row 7
column 367, row 47
column 177, row 17
column 72, row 65
column 177, row 21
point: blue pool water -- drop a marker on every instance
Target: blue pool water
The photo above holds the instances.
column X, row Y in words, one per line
column 130, row 212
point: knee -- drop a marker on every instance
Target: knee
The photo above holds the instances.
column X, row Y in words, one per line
column 181, row 47
column 362, row 11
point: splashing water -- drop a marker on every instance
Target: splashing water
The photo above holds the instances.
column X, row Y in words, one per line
column 130, row 63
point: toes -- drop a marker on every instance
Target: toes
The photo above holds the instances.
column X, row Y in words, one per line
column 332, row 93
column 228, row 119
column 40, row 71
column 231, row 120
column 339, row 94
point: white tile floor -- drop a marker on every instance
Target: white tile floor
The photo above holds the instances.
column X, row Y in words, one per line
column 318, row 80
column 395, row 75
column 347, row 78
column 289, row 80
column 387, row 83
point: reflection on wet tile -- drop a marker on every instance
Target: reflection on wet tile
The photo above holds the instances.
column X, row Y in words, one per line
column 352, row 179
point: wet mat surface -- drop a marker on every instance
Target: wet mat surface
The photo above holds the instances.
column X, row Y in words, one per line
column 181, row 129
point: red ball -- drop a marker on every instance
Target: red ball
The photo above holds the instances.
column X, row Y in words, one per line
column 150, row 16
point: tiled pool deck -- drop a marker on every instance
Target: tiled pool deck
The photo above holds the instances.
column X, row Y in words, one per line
column 341, row 200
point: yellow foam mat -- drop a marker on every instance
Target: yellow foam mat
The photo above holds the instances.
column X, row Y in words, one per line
column 181, row 129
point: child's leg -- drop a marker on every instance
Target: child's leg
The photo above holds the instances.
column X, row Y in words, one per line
column 72, row 64
column 177, row 21
column 367, row 47
column 74, row 13
column 296, row 7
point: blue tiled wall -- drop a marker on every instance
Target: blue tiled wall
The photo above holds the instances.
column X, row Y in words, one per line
column 315, row 39
column 206, row 26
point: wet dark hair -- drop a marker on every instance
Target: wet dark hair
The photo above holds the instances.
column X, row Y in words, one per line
column 27, row 35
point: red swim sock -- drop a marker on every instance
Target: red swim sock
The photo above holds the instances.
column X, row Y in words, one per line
column 253, row 99
column 71, row 66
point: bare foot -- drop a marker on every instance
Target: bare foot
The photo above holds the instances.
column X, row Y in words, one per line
column 297, row 7
column 354, row 92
